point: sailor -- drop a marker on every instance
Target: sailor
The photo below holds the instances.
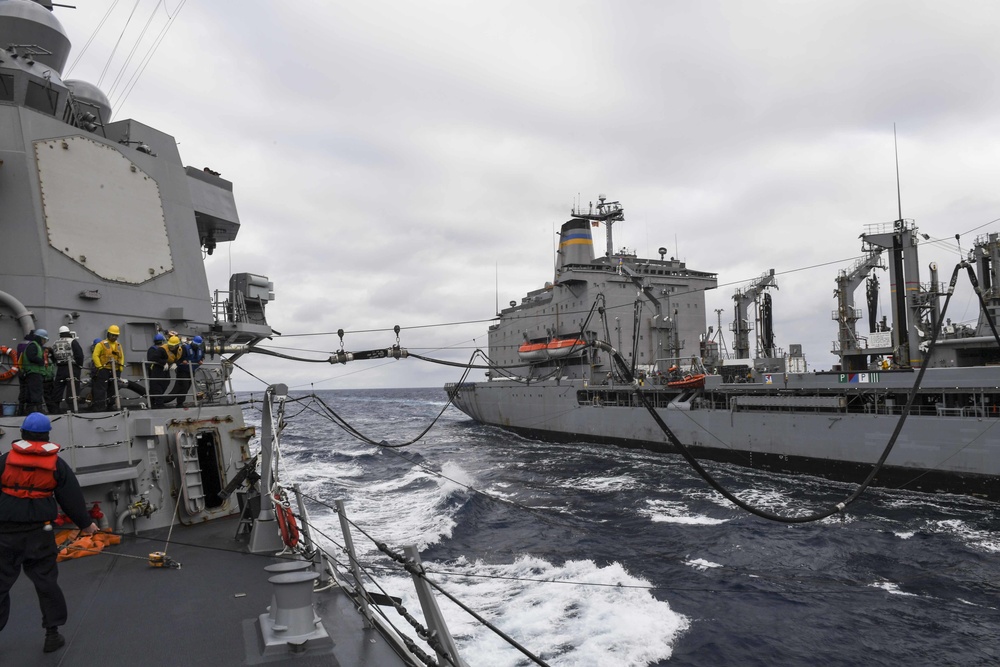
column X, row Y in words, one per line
column 156, row 362
column 36, row 368
column 196, row 352
column 177, row 355
column 22, row 390
column 33, row 480
column 108, row 358
column 68, row 357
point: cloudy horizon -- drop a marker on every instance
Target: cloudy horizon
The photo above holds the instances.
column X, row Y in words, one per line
column 410, row 163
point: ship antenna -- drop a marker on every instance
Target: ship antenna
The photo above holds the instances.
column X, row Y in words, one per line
column 899, row 199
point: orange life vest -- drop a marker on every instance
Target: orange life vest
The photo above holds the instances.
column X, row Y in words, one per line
column 30, row 471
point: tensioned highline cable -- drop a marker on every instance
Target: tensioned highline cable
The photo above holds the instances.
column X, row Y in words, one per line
column 343, row 332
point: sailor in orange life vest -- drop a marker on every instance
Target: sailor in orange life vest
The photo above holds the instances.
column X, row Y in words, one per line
column 33, row 479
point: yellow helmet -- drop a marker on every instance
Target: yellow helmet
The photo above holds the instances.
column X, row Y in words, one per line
column 173, row 341
column 113, row 329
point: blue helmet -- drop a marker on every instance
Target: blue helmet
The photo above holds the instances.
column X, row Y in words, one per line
column 41, row 333
column 97, row 341
column 158, row 338
column 197, row 340
column 37, row 423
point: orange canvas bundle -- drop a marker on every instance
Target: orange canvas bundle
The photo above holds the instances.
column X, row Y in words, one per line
column 84, row 545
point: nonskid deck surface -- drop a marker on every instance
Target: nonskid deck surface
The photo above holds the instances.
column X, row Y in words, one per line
column 124, row 612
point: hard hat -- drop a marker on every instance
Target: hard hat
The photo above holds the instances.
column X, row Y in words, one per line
column 158, row 338
column 113, row 329
column 174, row 341
column 197, row 340
column 37, row 423
column 41, row 333
column 63, row 329
column 97, row 341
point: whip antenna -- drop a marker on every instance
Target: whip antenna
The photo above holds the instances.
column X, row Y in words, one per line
column 895, row 148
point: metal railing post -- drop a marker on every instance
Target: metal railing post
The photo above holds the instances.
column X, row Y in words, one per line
column 345, row 527
column 432, row 613
column 72, row 385
column 318, row 555
column 114, row 380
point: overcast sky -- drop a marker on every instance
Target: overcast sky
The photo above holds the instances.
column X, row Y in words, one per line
column 410, row 162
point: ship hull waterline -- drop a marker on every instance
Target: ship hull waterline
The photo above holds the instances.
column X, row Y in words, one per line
column 842, row 447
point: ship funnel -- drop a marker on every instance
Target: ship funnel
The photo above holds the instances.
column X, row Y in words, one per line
column 34, row 32
column 576, row 245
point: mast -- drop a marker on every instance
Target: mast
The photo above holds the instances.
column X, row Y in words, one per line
column 608, row 213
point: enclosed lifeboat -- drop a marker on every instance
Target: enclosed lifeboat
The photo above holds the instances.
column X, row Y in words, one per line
column 554, row 349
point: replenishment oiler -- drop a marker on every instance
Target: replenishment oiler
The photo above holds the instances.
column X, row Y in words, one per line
column 618, row 349
column 204, row 557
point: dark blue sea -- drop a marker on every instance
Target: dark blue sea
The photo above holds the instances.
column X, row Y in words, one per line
column 596, row 556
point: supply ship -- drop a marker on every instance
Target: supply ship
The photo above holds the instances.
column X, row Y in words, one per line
column 206, row 558
column 570, row 361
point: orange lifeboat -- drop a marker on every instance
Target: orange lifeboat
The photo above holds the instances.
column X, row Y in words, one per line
column 554, row 349
column 688, row 382
column 562, row 347
column 532, row 352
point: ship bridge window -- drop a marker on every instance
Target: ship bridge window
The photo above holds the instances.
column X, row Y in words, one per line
column 7, row 87
column 41, row 98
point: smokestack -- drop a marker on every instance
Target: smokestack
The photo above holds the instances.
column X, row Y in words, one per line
column 576, row 245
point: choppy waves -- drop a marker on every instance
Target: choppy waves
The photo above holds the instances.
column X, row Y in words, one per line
column 599, row 556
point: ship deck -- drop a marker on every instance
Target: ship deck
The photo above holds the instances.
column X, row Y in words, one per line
column 124, row 612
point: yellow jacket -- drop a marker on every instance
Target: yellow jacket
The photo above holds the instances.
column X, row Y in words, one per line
column 105, row 351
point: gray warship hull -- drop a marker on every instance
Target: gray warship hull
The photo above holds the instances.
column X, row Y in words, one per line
column 938, row 449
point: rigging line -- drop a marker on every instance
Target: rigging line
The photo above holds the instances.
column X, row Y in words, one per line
column 149, row 56
column 69, row 72
column 263, row 382
column 981, row 226
column 117, row 43
column 387, row 330
column 375, row 608
column 135, row 47
column 839, row 507
column 500, row 633
column 422, row 631
column 418, row 572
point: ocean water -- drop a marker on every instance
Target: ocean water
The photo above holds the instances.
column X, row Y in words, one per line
column 595, row 556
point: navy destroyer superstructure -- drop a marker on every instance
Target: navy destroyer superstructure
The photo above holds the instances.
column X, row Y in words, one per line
column 104, row 225
column 761, row 406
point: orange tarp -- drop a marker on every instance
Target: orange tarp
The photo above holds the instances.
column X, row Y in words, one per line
column 73, row 545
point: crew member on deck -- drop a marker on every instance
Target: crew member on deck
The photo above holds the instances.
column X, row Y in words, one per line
column 67, row 353
column 159, row 378
column 35, row 366
column 108, row 356
column 33, row 480
column 178, row 357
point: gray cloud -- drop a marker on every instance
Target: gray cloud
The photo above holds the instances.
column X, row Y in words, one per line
column 409, row 163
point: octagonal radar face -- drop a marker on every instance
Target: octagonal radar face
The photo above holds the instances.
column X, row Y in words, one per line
column 96, row 200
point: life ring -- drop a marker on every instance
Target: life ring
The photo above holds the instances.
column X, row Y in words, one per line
column 12, row 355
column 286, row 524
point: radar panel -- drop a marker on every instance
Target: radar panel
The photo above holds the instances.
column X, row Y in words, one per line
column 101, row 210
